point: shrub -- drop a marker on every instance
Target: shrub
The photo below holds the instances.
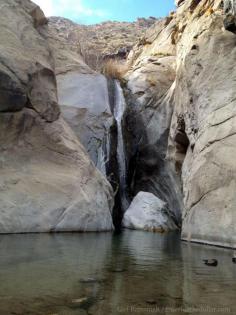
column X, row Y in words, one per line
column 115, row 69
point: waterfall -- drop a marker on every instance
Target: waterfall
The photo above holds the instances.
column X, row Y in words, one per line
column 119, row 109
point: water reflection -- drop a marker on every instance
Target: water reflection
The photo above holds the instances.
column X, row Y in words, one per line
column 135, row 272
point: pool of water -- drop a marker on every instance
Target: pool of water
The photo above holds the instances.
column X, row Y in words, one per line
column 104, row 274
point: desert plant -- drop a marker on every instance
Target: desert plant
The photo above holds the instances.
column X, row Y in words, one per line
column 114, row 68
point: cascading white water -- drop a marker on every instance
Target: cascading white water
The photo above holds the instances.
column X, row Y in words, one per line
column 119, row 109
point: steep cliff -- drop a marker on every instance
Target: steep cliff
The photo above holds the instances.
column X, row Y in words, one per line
column 181, row 86
column 205, row 99
column 47, row 181
column 150, row 91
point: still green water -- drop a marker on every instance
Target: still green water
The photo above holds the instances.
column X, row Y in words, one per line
column 104, row 274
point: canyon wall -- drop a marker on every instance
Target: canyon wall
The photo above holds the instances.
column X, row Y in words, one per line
column 178, row 127
column 205, row 98
column 47, row 181
column 182, row 78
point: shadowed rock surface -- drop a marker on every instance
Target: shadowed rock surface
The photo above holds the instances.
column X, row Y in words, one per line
column 230, row 19
column 195, row 112
column 150, row 88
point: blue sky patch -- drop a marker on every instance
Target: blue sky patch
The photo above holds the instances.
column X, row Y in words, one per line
column 96, row 11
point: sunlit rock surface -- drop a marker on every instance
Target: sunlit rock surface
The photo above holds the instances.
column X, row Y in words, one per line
column 147, row 212
column 47, row 181
column 83, row 94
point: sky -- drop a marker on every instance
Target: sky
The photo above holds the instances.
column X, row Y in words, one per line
column 96, row 11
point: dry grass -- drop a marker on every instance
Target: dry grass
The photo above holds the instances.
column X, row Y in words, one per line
column 161, row 54
column 115, row 69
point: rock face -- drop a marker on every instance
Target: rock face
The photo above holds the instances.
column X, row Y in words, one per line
column 82, row 94
column 230, row 19
column 205, row 99
column 47, row 181
column 147, row 212
column 150, row 86
column 178, row 2
column 25, row 80
column 85, row 106
column 190, row 127
column 98, row 42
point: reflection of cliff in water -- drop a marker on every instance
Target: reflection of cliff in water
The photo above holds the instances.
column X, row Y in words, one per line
column 51, row 273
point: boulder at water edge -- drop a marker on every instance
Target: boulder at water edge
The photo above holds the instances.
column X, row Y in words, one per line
column 148, row 212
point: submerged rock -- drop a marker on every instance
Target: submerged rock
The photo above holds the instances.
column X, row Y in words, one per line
column 147, row 212
column 83, row 303
column 211, row 262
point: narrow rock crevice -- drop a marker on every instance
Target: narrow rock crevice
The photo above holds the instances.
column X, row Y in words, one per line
column 181, row 143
